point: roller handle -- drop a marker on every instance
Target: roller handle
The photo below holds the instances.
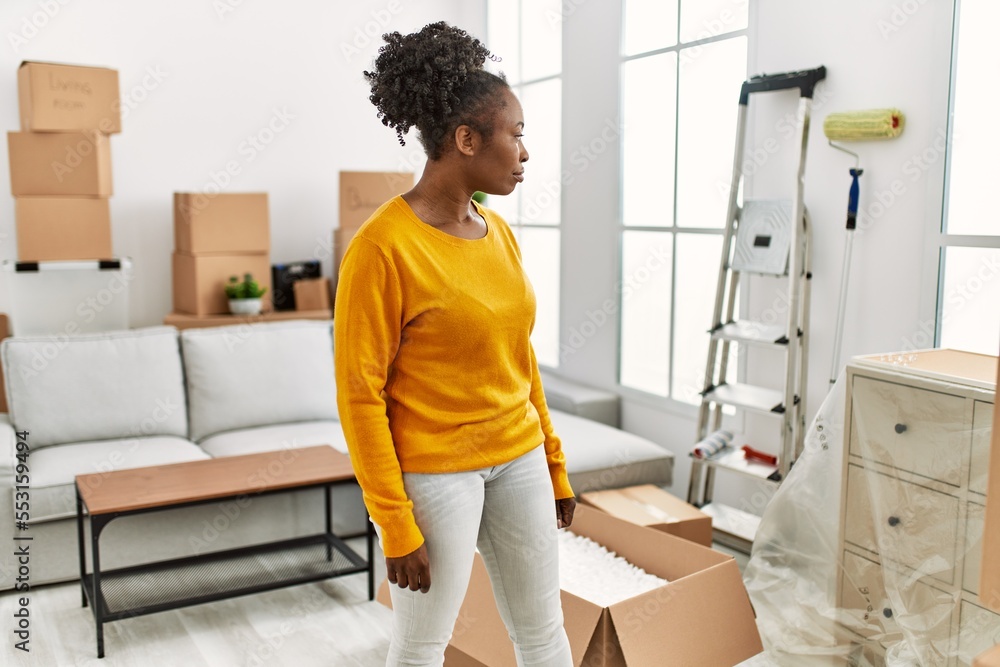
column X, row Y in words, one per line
column 805, row 80
column 852, row 199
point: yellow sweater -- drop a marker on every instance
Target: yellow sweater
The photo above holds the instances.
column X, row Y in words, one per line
column 435, row 369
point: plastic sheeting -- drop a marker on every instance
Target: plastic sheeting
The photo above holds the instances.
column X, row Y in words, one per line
column 797, row 562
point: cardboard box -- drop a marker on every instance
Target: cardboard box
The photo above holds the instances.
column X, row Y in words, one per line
column 652, row 507
column 228, row 223
column 702, row 617
column 63, row 98
column 989, row 573
column 199, row 280
column 283, row 279
column 361, row 193
column 312, row 294
column 59, row 163
column 990, row 658
column 58, row 228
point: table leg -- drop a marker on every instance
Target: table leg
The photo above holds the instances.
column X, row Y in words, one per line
column 329, row 522
column 371, row 559
column 96, row 525
column 81, row 545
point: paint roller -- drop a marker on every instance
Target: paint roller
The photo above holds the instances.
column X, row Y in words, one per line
column 868, row 125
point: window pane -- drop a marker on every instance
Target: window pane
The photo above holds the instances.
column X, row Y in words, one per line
column 540, row 253
column 649, row 101
column 541, row 38
column 975, row 134
column 698, row 258
column 506, row 206
column 970, row 309
column 701, row 19
column 710, row 79
column 503, row 22
column 645, row 318
column 649, row 25
column 540, row 200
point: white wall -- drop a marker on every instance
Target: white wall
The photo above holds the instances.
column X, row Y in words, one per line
column 222, row 77
column 198, row 78
column 884, row 53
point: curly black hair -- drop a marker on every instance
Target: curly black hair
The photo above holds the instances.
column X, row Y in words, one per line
column 434, row 79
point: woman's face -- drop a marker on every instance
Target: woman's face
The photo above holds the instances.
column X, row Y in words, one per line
column 501, row 158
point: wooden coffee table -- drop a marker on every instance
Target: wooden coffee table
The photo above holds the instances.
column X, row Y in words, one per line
column 162, row 585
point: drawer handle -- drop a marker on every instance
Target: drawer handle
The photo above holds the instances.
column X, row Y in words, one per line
column 887, row 612
column 900, row 428
column 894, row 521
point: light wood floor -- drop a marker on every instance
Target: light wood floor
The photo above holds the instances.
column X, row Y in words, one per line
column 331, row 623
column 328, row 623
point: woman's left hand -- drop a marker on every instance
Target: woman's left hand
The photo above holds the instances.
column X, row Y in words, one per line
column 564, row 512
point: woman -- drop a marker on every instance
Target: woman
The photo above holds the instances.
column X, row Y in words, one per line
column 438, row 387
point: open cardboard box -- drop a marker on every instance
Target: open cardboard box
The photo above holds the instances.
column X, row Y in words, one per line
column 990, row 658
column 652, row 507
column 702, row 617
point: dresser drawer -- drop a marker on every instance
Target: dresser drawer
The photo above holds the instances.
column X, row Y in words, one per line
column 982, row 427
column 863, row 599
column 917, row 526
column 917, row 430
column 975, row 518
column 979, row 629
column 927, row 611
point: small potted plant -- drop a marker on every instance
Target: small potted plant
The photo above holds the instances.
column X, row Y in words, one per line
column 244, row 296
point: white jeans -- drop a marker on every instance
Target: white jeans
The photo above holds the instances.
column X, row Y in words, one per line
column 507, row 511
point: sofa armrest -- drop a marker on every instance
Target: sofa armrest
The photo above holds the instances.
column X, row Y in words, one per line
column 581, row 400
column 8, row 461
column 8, row 452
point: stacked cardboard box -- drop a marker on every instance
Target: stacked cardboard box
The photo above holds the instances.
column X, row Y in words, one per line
column 60, row 161
column 361, row 193
column 217, row 236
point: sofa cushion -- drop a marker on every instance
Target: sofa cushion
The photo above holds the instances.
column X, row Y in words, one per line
column 54, row 469
column 265, row 373
column 97, row 386
column 599, row 456
column 274, row 437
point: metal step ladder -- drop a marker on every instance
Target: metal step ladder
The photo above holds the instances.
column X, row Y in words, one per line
column 771, row 238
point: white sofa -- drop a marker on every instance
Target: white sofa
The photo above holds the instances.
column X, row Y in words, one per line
column 101, row 402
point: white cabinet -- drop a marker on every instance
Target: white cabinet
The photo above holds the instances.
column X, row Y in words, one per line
column 914, row 484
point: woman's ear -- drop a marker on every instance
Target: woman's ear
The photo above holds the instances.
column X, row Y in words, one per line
column 465, row 140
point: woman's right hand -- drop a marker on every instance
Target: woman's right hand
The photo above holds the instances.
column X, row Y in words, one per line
column 411, row 571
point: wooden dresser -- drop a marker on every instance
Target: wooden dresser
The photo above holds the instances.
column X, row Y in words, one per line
column 917, row 431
